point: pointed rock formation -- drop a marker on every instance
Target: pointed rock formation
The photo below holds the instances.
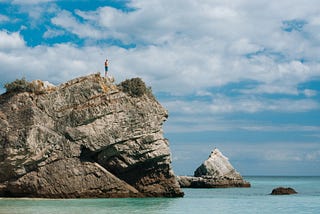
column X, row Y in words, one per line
column 215, row 172
column 84, row 138
column 217, row 166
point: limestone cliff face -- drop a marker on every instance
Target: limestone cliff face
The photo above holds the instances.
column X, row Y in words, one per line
column 214, row 172
column 84, row 138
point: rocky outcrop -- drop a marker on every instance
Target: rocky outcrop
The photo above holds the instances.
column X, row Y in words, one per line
column 209, row 182
column 217, row 166
column 283, row 191
column 84, row 138
column 215, row 172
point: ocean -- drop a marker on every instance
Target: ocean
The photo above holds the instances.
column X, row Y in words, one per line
column 256, row 199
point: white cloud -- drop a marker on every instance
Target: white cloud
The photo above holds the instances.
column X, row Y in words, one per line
column 11, row 40
column 223, row 104
column 186, row 123
column 189, row 46
column 297, row 152
column 56, row 64
column 313, row 156
column 309, row 93
column 272, row 89
column 281, row 128
column 200, row 116
column 51, row 33
column 276, row 155
column 279, row 151
column 244, row 46
column 66, row 20
column 4, row 18
column 37, row 10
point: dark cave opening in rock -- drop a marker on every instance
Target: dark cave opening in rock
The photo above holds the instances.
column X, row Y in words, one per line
column 86, row 155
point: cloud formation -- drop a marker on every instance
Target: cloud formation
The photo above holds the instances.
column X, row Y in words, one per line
column 11, row 41
column 3, row 18
column 219, row 105
column 181, row 48
column 207, row 44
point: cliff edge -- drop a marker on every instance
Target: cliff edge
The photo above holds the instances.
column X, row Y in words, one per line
column 84, row 138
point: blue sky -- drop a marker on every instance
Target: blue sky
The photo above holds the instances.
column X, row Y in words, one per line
column 242, row 75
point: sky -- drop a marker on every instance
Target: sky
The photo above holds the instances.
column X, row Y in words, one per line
column 239, row 75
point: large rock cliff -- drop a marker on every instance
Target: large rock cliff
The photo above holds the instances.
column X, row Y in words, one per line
column 214, row 172
column 84, row 138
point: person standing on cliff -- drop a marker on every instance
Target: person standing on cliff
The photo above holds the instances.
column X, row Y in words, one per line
column 106, row 68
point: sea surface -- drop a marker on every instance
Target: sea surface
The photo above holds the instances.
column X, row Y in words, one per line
column 256, row 199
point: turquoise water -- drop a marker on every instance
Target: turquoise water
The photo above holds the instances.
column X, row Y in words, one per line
column 234, row 200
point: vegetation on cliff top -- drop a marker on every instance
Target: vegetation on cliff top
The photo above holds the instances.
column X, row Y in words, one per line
column 135, row 87
column 19, row 85
column 22, row 85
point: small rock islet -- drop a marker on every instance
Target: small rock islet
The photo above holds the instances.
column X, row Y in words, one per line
column 215, row 172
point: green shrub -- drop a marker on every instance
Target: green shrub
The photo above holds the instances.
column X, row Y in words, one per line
column 135, row 87
column 19, row 85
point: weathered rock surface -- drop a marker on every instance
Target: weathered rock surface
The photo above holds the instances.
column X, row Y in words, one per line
column 84, row 138
column 283, row 191
column 215, row 172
